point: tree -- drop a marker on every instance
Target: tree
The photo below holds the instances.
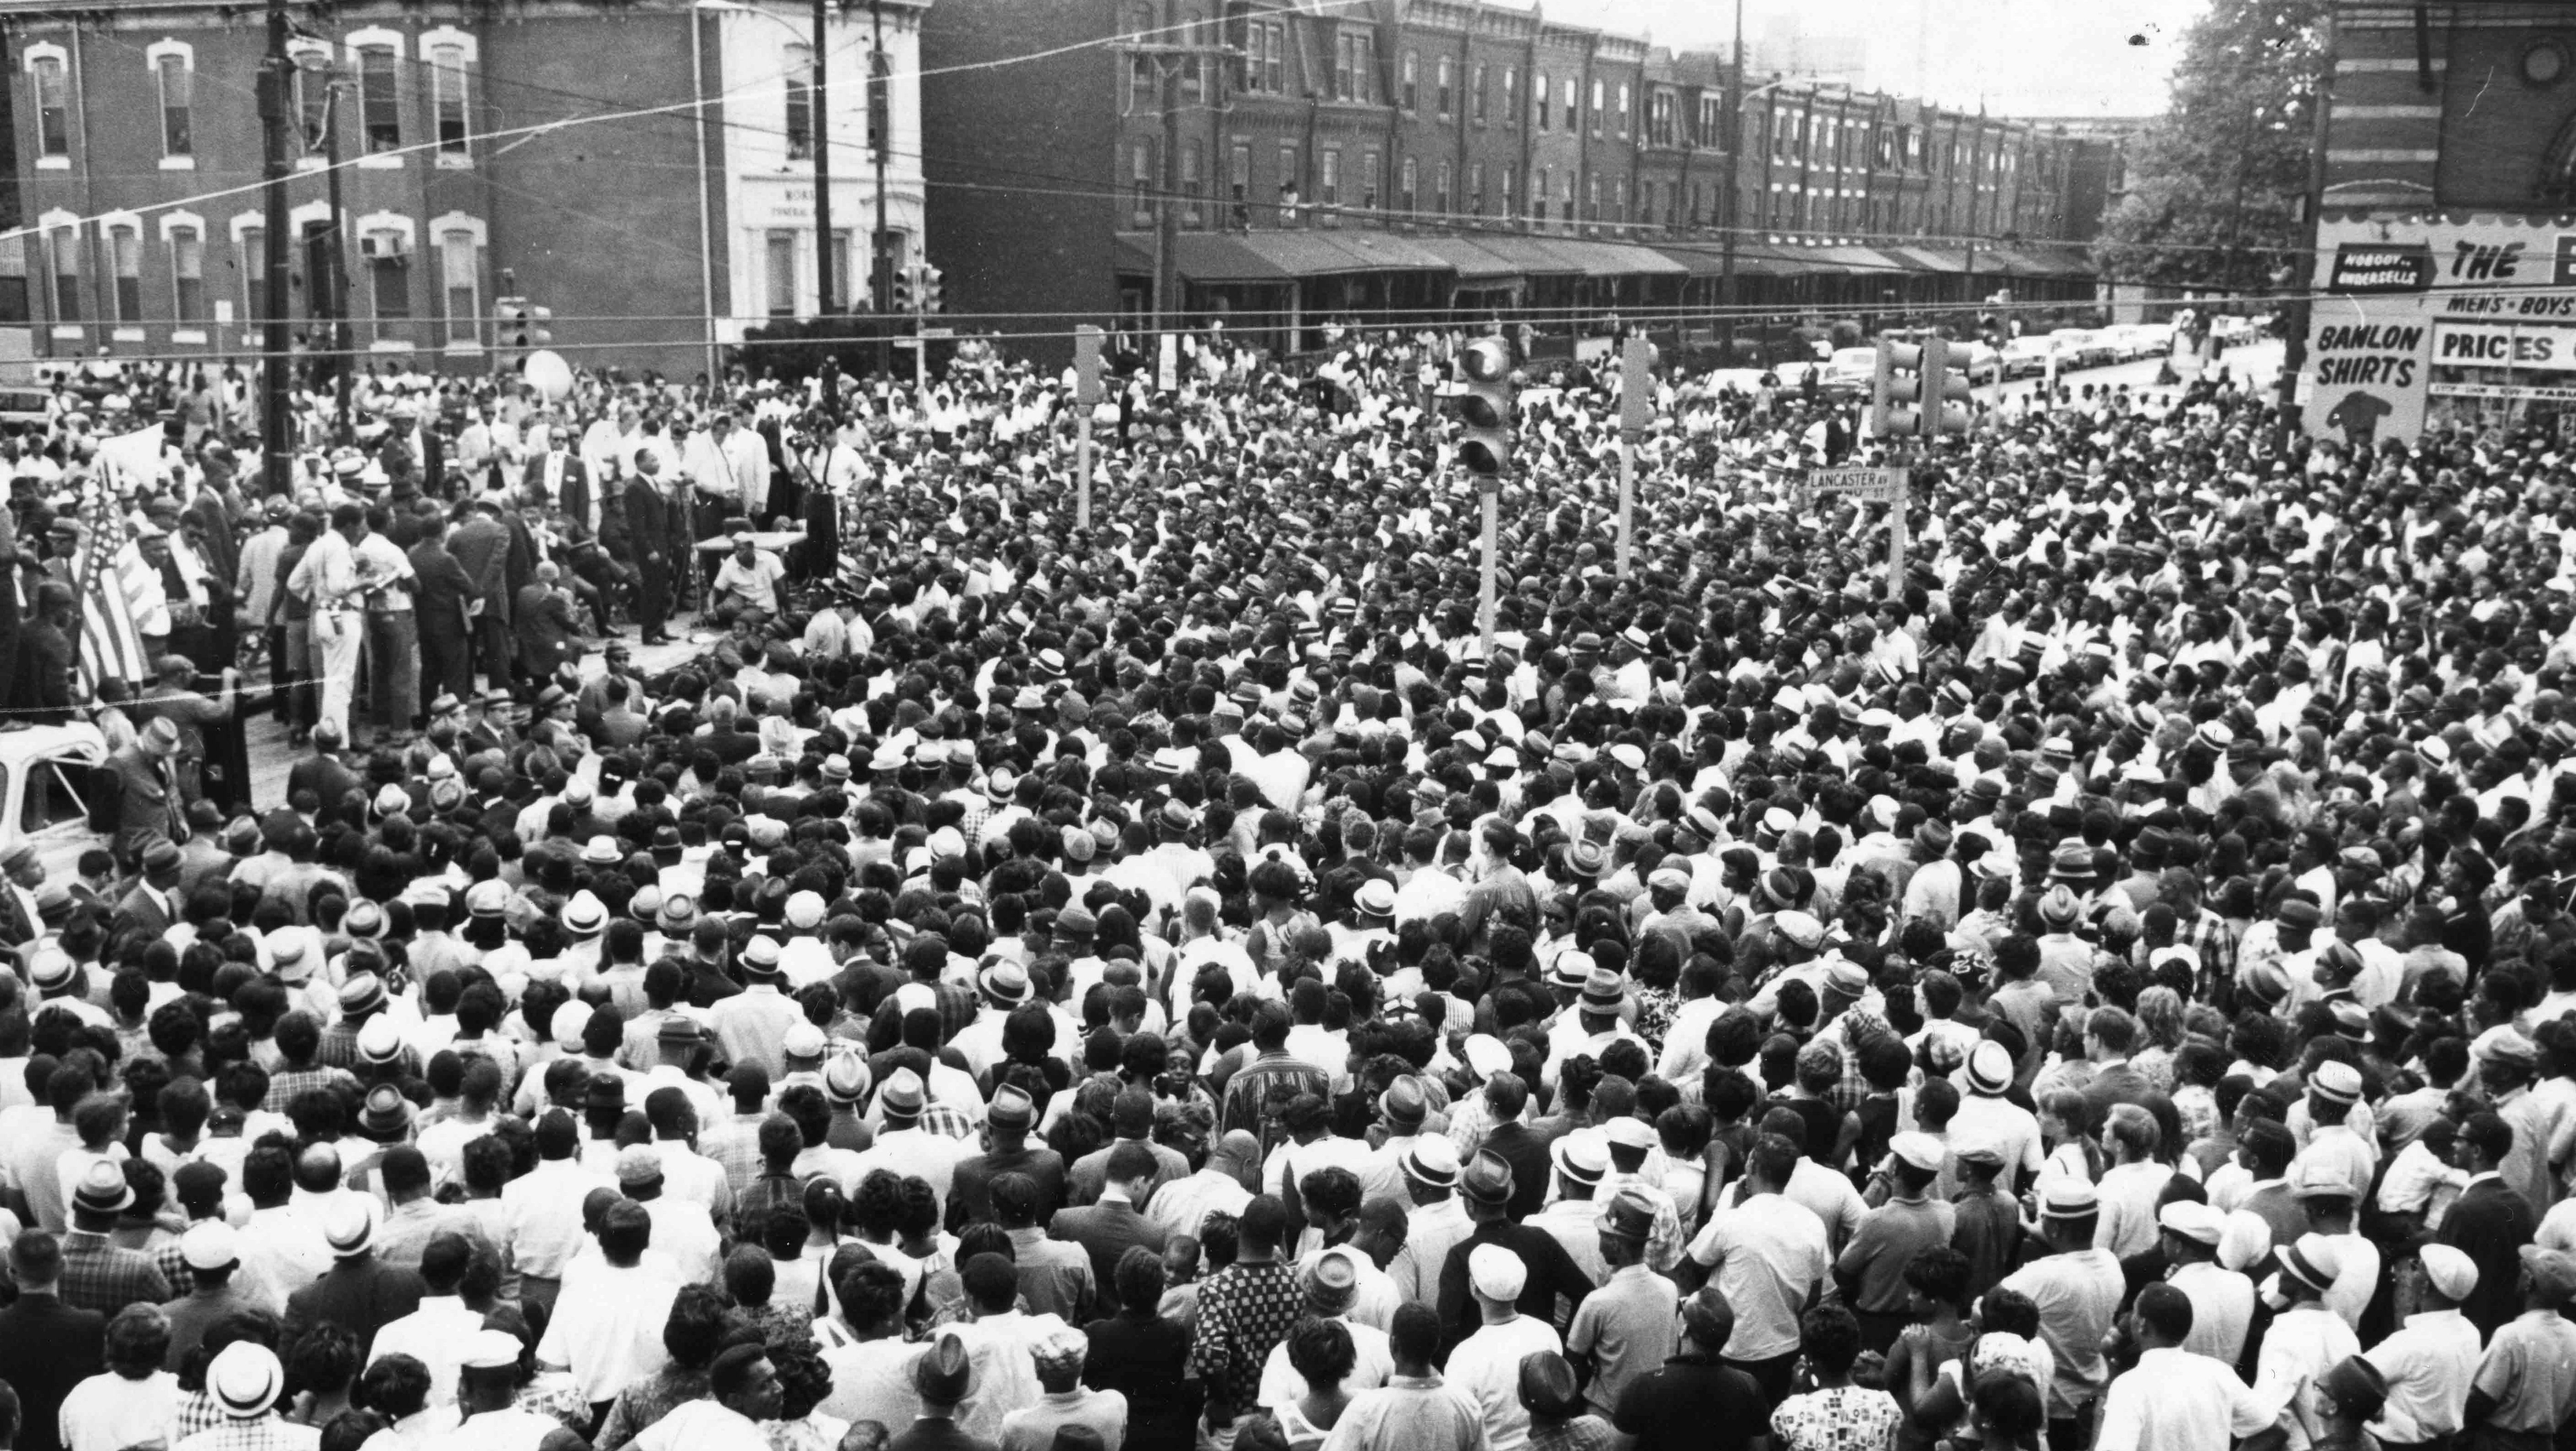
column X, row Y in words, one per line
column 2217, row 182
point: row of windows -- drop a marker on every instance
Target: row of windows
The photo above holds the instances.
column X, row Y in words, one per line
column 174, row 270
column 374, row 81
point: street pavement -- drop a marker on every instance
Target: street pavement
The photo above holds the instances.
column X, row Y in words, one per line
column 2260, row 361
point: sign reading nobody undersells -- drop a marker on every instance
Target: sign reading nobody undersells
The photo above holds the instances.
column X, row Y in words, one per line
column 1864, row 485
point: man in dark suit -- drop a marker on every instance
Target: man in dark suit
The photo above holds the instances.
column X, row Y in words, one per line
column 557, row 483
column 648, row 534
column 147, row 791
column 481, row 547
column 1108, row 1229
column 1007, row 1121
column 324, row 774
column 46, row 1346
column 1505, row 1096
column 940, row 1377
column 441, row 603
column 42, row 686
column 2490, row 1222
column 359, row 1293
column 543, row 620
column 151, row 907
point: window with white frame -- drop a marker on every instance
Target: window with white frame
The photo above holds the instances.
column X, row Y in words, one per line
column 779, row 284
column 63, row 260
column 186, row 241
column 800, row 103
column 385, row 246
column 379, row 97
column 447, row 101
column 1407, row 173
column 174, row 72
column 1445, row 87
column 125, row 264
column 250, row 260
column 312, row 90
column 53, row 88
column 1440, row 190
column 460, row 270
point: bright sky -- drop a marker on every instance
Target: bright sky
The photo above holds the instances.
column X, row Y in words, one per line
column 2020, row 57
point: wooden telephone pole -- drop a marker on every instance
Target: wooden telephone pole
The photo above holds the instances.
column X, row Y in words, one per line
column 1169, row 59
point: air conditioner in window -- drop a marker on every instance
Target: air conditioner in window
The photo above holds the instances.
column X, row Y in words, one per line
column 384, row 246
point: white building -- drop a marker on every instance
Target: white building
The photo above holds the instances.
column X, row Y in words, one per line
column 872, row 55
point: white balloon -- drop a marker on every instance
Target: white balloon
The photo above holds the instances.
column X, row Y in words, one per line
column 548, row 373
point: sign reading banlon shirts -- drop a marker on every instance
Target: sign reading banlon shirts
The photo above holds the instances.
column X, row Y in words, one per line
column 2428, row 318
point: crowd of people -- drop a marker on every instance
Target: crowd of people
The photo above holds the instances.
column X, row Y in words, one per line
column 1172, row 979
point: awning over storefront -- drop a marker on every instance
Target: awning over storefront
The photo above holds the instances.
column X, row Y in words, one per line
column 1930, row 259
column 1281, row 256
column 1476, row 263
column 1530, row 257
column 1614, row 259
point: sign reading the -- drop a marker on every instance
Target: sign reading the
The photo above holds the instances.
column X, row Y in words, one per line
column 2364, row 268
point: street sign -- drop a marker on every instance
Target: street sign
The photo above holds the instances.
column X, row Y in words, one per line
column 1865, row 485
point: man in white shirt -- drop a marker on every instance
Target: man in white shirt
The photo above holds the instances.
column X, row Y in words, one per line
column 2431, row 1362
column 435, row 1334
column 748, row 580
column 2172, row 1400
column 2222, row 1300
column 1487, row 1364
column 1769, row 1257
column 742, row 1392
column 608, row 1331
column 2077, row 1290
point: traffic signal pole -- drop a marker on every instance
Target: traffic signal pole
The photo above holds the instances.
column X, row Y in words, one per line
column 276, row 423
column 1492, row 498
column 1086, row 400
column 1636, row 409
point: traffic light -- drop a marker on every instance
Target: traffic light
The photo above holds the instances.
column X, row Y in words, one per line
column 1919, row 390
column 902, row 290
column 541, row 329
column 1485, row 409
column 513, row 313
column 1086, row 365
column 926, row 295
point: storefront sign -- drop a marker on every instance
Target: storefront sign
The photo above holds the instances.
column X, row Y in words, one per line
column 2422, row 316
column 2363, row 268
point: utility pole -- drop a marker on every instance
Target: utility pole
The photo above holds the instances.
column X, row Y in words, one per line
column 822, row 162
column 880, row 238
column 1168, row 59
column 343, row 344
column 1167, row 217
column 1727, row 207
column 277, row 438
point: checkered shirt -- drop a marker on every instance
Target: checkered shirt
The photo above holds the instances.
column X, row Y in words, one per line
column 264, row 1433
column 103, row 1276
column 1244, row 1311
column 286, row 1083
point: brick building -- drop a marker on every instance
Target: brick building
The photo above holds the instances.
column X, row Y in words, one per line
column 477, row 165
column 1406, row 160
column 2446, row 243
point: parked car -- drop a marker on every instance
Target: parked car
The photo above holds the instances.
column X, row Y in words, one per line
column 2027, row 357
column 1985, row 364
column 2083, row 348
column 1851, row 368
column 44, row 791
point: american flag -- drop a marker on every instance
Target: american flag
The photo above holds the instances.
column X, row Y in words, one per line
column 106, row 576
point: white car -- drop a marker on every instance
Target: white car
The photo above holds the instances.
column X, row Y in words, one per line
column 1985, row 365
column 1851, row 368
column 44, row 791
column 2027, row 357
column 2082, row 348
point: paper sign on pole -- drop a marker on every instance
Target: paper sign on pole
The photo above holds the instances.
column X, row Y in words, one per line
column 1167, row 365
